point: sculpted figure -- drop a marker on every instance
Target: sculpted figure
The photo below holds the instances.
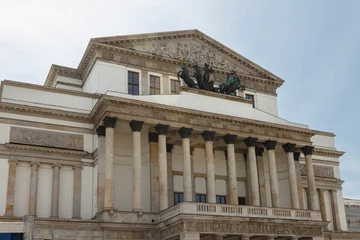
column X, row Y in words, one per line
column 184, row 75
column 209, row 85
column 198, row 76
column 231, row 85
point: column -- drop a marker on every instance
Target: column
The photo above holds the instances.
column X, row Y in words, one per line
column 261, row 172
column 307, row 150
column 163, row 182
column 109, row 123
column 154, row 171
column 101, row 168
column 136, row 127
column 208, row 136
column 192, row 149
column 253, row 174
column 298, row 179
column 11, row 188
column 231, row 168
column 77, row 192
column 335, row 210
column 185, row 134
column 294, row 194
column 170, row 177
column 322, row 204
column 270, row 146
column 33, row 188
column 55, row 191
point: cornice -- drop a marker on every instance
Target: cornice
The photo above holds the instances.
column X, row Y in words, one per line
column 44, row 112
column 186, row 34
column 61, row 71
column 48, row 150
column 327, row 152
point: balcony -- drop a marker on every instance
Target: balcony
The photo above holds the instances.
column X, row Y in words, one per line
column 192, row 208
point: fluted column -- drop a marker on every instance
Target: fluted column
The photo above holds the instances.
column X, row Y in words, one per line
column 335, row 210
column 261, row 172
column 77, row 192
column 100, row 131
column 33, row 188
column 109, row 123
column 231, row 168
column 55, row 191
column 289, row 150
column 298, row 179
column 307, row 150
column 185, row 134
column 163, row 181
column 169, row 148
column 253, row 174
column 192, row 149
column 322, row 204
column 10, row 196
column 136, row 127
column 270, row 146
column 208, row 136
column 154, row 171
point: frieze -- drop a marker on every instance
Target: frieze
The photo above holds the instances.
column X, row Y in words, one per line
column 319, row 171
column 44, row 138
column 172, row 230
column 252, row 228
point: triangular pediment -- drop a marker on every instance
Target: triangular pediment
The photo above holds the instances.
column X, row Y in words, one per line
column 190, row 46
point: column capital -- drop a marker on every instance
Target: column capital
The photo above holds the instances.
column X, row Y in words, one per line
column 259, row 151
column 185, row 132
column 80, row 167
column 109, row 122
column 153, row 137
column 289, row 147
column 296, row 156
column 250, row 142
column 169, row 147
column 230, row 138
column 35, row 163
column 13, row 161
column 270, row 144
column 136, row 126
column 58, row 165
column 162, row 129
column 208, row 136
column 307, row 150
column 100, row 131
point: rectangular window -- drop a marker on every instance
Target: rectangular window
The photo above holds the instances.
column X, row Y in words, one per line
column 201, row 198
column 250, row 97
column 154, row 85
column 241, row 200
column 178, row 197
column 220, row 199
column 174, row 86
column 133, row 83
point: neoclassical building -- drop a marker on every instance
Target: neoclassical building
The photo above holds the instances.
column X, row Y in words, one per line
column 122, row 148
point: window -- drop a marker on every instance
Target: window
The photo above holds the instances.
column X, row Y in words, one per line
column 241, row 201
column 133, row 83
column 174, row 86
column 154, row 85
column 178, row 197
column 201, row 198
column 250, row 97
column 220, row 199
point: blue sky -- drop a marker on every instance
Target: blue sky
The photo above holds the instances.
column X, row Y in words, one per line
column 313, row 45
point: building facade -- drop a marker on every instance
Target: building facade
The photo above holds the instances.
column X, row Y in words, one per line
column 352, row 211
column 122, row 148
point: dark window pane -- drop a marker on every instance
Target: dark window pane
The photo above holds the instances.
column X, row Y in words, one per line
column 136, row 81
column 136, row 90
column 241, row 201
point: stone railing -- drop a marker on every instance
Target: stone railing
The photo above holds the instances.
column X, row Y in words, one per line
column 239, row 211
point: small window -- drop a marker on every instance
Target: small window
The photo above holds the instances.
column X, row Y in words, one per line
column 174, row 86
column 250, row 97
column 220, row 199
column 178, row 197
column 133, row 83
column 154, row 85
column 201, row 198
column 241, row 200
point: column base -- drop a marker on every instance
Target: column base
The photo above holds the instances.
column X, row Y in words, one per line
column 9, row 215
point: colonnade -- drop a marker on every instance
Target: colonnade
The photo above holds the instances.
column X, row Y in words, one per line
column 54, row 212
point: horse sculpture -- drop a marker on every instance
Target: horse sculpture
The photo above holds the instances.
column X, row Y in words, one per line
column 231, row 85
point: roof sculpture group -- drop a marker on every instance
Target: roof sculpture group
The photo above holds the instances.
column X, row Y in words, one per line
column 229, row 87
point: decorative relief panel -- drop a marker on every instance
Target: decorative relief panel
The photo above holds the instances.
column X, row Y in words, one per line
column 44, row 138
column 319, row 171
